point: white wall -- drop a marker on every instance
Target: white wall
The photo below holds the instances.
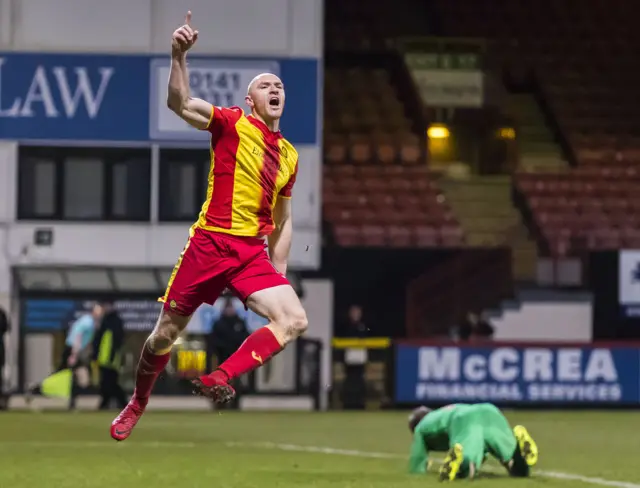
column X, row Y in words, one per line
column 120, row 244
column 153, row 244
column 273, row 27
column 318, row 303
column 546, row 321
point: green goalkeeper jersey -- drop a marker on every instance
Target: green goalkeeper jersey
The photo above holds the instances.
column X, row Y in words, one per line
column 481, row 429
column 431, row 434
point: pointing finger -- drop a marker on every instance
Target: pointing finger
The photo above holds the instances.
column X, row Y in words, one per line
column 187, row 19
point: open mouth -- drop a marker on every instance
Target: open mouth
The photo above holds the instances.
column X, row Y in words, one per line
column 274, row 102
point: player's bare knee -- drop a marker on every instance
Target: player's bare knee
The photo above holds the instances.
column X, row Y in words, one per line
column 293, row 324
column 166, row 332
column 299, row 323
column 289, row 324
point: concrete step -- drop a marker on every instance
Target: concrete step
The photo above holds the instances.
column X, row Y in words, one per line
column 543, row 164
column 543, row 137
column 481, row 208
column 527, row 117
column 539, row 147
column 489, row 224
column 524, row 269
column 484, row 192
column 484, row 239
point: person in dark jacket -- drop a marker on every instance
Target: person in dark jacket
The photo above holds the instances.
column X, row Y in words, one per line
column 107, row 353
column 475, row 328
column 227, row 333
column 354, row 325
column 4, row 328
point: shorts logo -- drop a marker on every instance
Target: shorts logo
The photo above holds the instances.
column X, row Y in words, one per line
column 256, row 356
column 173, row 304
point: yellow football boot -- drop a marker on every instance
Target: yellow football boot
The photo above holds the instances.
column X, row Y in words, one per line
column 452, row 463
column 528, row 447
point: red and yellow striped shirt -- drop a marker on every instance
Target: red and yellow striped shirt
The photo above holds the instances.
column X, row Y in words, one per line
column 250, row 167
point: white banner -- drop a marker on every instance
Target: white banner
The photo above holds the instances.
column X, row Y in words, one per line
column 450, row 88
column 629, row 278
column 220, row 82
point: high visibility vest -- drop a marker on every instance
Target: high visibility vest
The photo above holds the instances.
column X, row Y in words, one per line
column 104, row 352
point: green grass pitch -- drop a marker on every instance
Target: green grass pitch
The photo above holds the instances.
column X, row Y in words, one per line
column 287, row 450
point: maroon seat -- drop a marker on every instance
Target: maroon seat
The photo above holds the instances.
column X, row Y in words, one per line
column 425, row 236
column 347, row 235
column 400, row 236
column 374, row 235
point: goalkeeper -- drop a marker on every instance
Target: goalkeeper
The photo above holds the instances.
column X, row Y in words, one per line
column 468, row 433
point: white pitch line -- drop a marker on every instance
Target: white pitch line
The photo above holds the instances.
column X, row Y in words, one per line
column 314, row 449
column 384, row 455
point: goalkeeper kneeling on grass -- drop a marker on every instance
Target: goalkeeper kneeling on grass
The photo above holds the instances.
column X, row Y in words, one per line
column 468, row 433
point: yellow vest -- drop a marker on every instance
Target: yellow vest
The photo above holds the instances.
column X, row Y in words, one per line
column 104, row 352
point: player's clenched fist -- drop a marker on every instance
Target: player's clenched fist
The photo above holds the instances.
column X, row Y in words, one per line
column 184, row 37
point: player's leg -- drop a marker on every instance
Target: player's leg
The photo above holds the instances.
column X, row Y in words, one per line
column 269, row 294
column 527, row 447
column 287, row 320
column 466, row 453
column 154, row 357
column 192, row 282
column 515, row 449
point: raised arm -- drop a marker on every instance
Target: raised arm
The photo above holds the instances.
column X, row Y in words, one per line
column 195, row 111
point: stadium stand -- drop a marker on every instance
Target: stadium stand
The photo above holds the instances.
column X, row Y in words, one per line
column 588, row 208
column 397, row 206
column 583, row 79
column 566, row 88
column 377, row 189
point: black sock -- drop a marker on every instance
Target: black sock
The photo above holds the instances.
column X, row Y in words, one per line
column 519, row 468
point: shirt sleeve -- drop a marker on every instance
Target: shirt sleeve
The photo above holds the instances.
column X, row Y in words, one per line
column 419, row 456
column 221, row 116
column 86, row 325
column 80, row 328
column 287, row 189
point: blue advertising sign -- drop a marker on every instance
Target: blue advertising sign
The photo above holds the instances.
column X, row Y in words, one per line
column 79, row 97
column 517, row 374
column 224, row 82
column 122, row 98
column 629, row 282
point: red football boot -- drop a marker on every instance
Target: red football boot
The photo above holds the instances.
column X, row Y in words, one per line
column 124, row 423
column 215, row 386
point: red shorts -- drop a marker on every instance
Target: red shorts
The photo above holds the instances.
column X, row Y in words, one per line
column 211, row 262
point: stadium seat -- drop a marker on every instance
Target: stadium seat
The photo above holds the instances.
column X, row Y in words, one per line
column 586, row 208
column 398, row 206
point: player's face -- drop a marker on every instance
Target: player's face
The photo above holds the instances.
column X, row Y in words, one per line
column 266, row 97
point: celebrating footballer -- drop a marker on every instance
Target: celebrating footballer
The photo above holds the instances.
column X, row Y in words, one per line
column 247, row 212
